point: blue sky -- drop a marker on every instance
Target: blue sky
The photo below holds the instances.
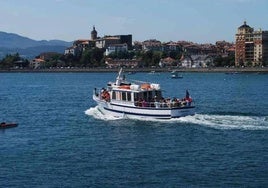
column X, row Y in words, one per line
column 201, row 21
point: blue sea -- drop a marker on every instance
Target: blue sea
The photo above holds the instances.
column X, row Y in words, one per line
column 63, row 140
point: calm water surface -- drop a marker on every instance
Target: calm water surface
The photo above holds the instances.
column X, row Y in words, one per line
column 63, row 141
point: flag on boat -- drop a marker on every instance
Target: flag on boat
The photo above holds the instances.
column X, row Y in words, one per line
column 187, row 94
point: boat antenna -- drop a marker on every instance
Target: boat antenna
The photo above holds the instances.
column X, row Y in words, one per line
column 119, row 78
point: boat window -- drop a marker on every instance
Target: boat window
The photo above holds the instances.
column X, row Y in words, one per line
column 124, row 98
column 128, row 96
column 145, row 95
column 118, row 95
column 136, row 97
column 158, row 94
column 113, row 95
column 150, row 95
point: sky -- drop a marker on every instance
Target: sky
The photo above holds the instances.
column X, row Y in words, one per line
column 200, row 21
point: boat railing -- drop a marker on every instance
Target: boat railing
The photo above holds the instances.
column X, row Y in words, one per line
column 163, row 104
column 102, row 94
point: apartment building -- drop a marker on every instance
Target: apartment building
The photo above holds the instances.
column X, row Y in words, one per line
column 251, row 46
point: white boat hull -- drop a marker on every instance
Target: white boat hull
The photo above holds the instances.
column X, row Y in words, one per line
column 119, row 110
column 140, row 100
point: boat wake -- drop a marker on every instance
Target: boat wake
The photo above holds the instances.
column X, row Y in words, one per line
column 97, row 114
column 228, row 121
column 208, row 120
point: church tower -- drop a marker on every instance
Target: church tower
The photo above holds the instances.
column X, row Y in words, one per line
column 94, row 34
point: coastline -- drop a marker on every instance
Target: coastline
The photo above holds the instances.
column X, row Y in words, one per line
column 197, row 70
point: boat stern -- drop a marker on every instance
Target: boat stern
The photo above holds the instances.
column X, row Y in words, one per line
column 182, row 112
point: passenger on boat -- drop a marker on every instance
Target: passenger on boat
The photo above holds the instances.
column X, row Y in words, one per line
column 157, row 104
column 105, row 95
column 139, row 102
column 174, row 102
column 168, row 102
column 144, row 103
column 102, row 93
column 163, row 102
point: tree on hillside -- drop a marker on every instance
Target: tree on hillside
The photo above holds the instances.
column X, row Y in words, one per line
column 97, row 57
column 122, row 55
column 92, row 58
column 156, row 58
column 147, row 58
column 10, row 61
column 85, row 59
column 70, row 60
column 224, row 61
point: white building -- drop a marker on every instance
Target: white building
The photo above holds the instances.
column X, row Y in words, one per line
column 107, row 41
column 113, row 48
column 71, row 50
column 196, row 61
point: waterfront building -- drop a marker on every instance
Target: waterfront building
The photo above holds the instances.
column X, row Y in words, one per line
column 37, row 63
column 251, row 46
column 79, row 46
column 152, row 44
column 40, row 61
column 106, row 41
column 126, row 39
column 137, row 46
column 168, row 62
column 114, row 48
column 171, row 46
column 71, row 50
column 225, row 49
column 196, row 61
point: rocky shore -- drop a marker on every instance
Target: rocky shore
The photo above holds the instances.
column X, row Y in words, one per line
column 208, row 70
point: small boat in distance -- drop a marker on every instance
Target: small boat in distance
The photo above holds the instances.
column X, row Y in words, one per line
column 137, row 99
column 152, row 72
column 5, row 125
column 131, row 72
column 232, row 73
column 175, row 74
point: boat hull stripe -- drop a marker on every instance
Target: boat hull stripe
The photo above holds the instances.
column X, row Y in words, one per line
column 139, row 114
column 174, row 108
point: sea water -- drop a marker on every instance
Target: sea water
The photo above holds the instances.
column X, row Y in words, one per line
column 63, row 140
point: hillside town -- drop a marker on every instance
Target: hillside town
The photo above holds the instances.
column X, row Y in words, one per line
column 112, row 51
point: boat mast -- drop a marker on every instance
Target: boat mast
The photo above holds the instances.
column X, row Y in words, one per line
column 119, row 78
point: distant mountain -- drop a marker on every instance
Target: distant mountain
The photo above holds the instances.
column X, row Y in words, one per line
column 12, row 43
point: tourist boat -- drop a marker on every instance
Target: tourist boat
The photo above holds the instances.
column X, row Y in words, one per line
column 140, row 100
column 4, row 125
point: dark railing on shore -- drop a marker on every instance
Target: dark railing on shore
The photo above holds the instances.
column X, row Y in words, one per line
column 212, row 69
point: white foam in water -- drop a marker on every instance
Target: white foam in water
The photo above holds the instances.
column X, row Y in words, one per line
column 96, row 113
column 213, row 121
column 228, row 121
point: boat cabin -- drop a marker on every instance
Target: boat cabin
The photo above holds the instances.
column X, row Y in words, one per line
column 134, row 94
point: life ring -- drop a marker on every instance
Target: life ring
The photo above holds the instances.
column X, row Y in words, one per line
column 146, row 86
column 124, row 87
